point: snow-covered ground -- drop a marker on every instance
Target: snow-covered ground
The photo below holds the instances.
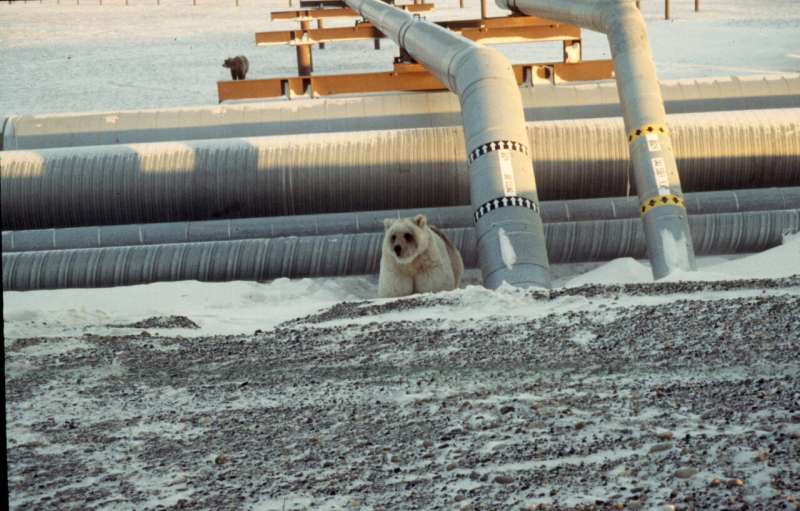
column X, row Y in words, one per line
column 236, row 308
column 609, row 392
column 68, row 57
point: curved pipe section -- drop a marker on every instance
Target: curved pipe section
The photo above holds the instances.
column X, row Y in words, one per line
column 372, row 221
column 367, row 171
column 359, row 254
column 656, row 172
column 502, row 186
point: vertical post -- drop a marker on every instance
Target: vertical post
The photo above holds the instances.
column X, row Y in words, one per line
column 666, row 9
column 572, row 52
column 305, row 64
column 320, row 26
column 483, row 9
column 696, row 5
column 461, row 3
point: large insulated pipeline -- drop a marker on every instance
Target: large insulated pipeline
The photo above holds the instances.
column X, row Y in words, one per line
column 367, row 171
column 359, row 254
column 762, row 199
column 655, row 169
column 378, row 112
column 511, row 246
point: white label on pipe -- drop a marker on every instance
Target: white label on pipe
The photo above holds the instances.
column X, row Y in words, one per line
column 652, row 142
column 660, row 172
column 507, row 172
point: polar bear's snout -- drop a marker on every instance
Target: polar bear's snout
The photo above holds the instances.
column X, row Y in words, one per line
column 403, row 244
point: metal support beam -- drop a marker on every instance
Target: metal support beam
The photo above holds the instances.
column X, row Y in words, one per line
column 320, row 26
column 490, row 31
column 305, row 64
column 339, row 12
column 404, row 77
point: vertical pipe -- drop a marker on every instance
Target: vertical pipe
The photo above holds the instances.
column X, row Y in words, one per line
column 483, row 10
column 666, row 9
column 320, row 26
column 669, row 242
column 696, row 5
column 508, row 223
column 305, row 64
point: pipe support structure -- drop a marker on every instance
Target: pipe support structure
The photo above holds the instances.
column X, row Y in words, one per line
column 511, row 242
column 656, row 173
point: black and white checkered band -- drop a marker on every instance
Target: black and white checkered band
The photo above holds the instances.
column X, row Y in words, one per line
column 504, row 202
column 496, row 146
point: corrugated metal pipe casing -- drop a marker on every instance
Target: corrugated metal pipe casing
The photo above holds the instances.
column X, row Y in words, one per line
column 502, row 186
column 759, row 199
column 357, row 254
column 366, row 171
column 378, row 112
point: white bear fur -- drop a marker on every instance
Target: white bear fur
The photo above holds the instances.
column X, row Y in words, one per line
column 427, row 261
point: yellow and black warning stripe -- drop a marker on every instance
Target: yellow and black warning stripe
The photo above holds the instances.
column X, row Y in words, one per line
column 662, row 200
column 646, row 130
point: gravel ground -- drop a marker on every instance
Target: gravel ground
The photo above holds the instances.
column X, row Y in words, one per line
column 692, row 402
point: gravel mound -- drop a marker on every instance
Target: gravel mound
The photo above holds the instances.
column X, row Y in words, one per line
column 694, row 403
column 162, row 322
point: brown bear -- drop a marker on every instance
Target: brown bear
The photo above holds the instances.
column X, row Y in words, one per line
column 238, row 66
column 417, row 258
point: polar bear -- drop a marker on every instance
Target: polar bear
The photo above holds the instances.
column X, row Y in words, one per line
column 417, row 258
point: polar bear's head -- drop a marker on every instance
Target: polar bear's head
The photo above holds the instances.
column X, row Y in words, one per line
column 406, row 238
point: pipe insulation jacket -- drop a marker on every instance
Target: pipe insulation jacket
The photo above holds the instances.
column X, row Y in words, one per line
column 502, row 185
column 367, row 171
column 762, row 199
column 379, row 112
column 652, row 157
column 359, row 254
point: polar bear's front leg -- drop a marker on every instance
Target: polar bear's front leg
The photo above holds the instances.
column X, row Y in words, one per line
column 392, row 283
column 434, row 281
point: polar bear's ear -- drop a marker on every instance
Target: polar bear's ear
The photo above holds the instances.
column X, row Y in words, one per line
column 387, row 222
column 421, row 221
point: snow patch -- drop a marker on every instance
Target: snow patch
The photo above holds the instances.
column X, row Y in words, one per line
column 506, row 249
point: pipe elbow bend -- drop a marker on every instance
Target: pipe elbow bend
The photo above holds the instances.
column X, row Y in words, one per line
column 619, row 15
column 475, row 63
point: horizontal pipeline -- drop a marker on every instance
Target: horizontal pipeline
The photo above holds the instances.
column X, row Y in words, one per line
column 365, row 171
column 359, row 254
column 378, row 112
column 760, row 199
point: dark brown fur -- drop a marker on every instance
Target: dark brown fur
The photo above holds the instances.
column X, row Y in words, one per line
column 238, row 66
